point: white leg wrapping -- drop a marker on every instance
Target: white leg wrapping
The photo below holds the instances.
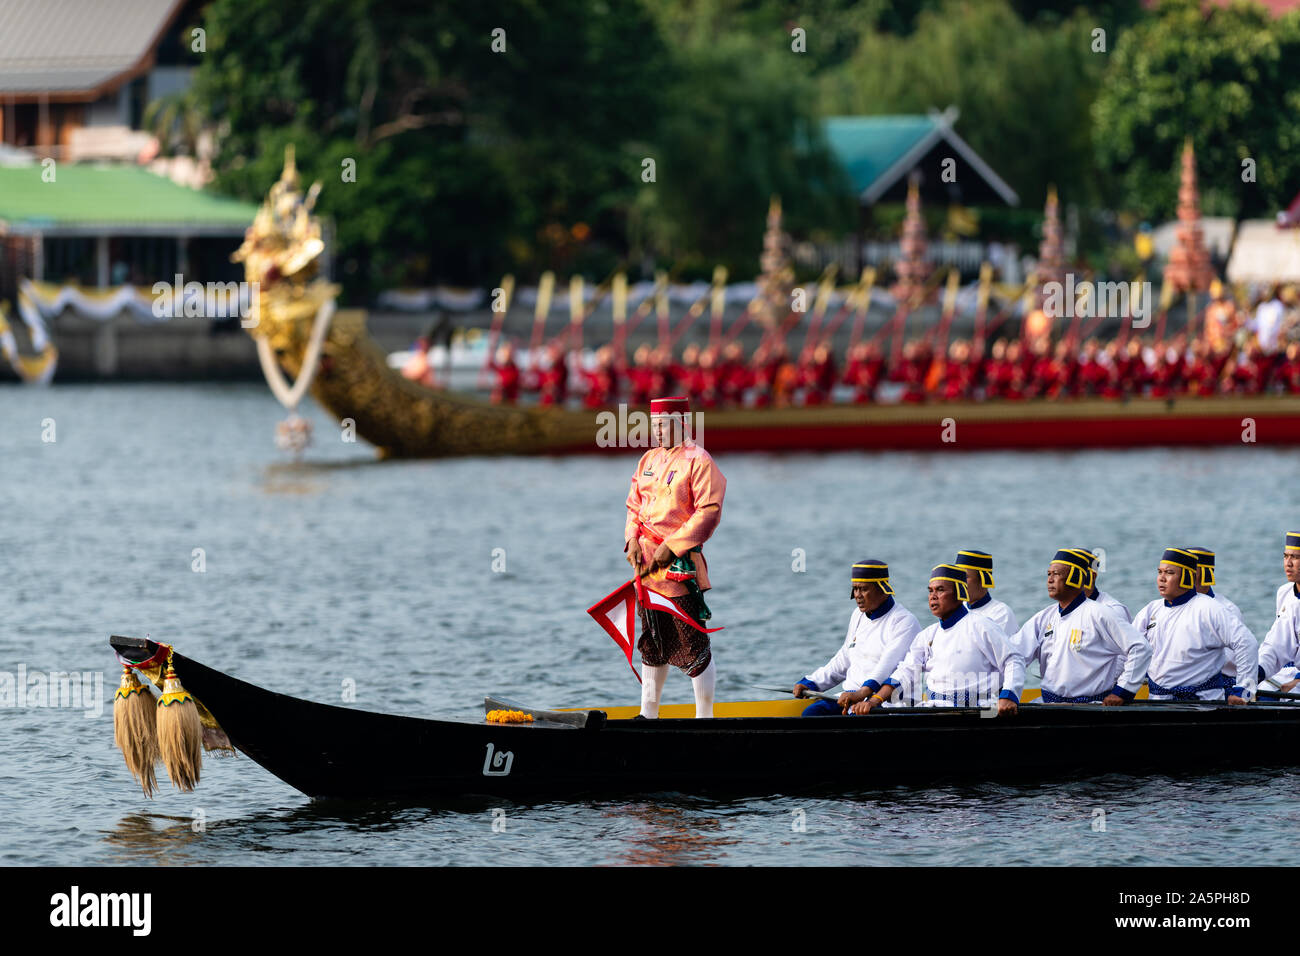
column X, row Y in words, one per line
column 652, row 688
column 704, row 690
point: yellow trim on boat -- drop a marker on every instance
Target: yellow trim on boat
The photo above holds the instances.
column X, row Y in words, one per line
column 791, row 707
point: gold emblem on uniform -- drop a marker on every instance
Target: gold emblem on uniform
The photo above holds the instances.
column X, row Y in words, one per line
column 1076, row 638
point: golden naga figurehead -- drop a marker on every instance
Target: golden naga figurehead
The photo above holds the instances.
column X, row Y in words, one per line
column 280, row 253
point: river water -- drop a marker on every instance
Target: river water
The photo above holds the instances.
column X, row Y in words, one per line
column 167, row 511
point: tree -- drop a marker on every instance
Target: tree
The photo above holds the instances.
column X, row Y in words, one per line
column 1024, row 92
column 742, row 128
column 1224, row 77
column 463, row 154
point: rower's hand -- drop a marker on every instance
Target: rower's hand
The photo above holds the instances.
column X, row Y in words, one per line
column 1288, row 685
column 1006, row 707
column 1235, row 700
column 799, row 690
column 663, row 554
column 1113, row 700
column 865, row 707
column 851, row 697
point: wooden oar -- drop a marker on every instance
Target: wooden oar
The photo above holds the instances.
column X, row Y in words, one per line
column 1277, row 693
column 807, row 692
column 498, row 320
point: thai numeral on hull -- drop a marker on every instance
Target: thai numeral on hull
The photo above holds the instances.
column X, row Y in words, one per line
column 497, row 763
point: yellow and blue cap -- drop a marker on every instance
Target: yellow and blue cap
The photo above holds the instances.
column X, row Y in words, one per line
column 1205, row 558
column 954, row 573
column 871, row 571
column 1080, row 567
column 1293, row 541
column 1186, row 562
column 1092, row 565
column 980, row 561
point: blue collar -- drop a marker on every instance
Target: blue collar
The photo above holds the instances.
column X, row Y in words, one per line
column 1096, row 593
column 885, row 608
column 1209, row 592
column 981, row 602
column 1182, row 598
column 1065, row 611
column 1295, row 589
column 954, row 617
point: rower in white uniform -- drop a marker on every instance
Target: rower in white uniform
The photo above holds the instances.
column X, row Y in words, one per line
column 1205, row 582
column 1277, row 664
column 1188, row 633
column 964, row 658
column 1085, row 652
column 978, row 566
column 1026, row 638
column 1108, row 601
column 1289, row 594
column 880, row 632
column 1281, row 649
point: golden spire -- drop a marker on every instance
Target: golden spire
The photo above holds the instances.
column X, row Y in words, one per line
column 284, row 240
column 1189, row 261
column 1051, row 251
column 911, row 268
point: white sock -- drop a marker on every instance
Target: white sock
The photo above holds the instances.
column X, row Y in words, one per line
column 652, row 687
column 704, row 690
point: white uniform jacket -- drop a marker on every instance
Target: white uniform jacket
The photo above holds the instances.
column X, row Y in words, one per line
column 998, row 612
column 1230, row 665
column 1085, row 650
column 1281, row 647
column 1110, row 601
column 874, row 645
column 966, row 659
column 1188, row 637
column 1030, row 633
column 1286, row 597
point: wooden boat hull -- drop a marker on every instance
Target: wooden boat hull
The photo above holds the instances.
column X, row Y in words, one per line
column 406, row 420
column 335, row 752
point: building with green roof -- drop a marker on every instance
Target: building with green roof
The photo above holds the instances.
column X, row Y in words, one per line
column 106, row 225
column 881, row 153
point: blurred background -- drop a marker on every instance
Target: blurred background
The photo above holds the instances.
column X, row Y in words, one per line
column 459, row 143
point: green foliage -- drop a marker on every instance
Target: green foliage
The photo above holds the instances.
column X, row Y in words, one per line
column 1024, row 92
column 468, row 161
column 471, row 162
column 1225, row 79
column 1110, row 15
column 740, row 130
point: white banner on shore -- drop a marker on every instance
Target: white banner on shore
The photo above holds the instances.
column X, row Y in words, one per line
column 38, row 301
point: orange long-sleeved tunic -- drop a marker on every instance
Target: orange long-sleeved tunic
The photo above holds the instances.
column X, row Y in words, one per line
column 676, row 497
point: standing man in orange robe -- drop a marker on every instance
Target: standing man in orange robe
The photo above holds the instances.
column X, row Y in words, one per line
column 673, row 507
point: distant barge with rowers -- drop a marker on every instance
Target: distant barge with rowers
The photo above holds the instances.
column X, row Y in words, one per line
column 297, row 332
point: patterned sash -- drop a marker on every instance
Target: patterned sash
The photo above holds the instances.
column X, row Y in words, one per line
column 1218, row 681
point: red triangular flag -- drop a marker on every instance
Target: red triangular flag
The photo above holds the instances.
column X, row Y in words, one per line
column 616, row 613
column 657, row 602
